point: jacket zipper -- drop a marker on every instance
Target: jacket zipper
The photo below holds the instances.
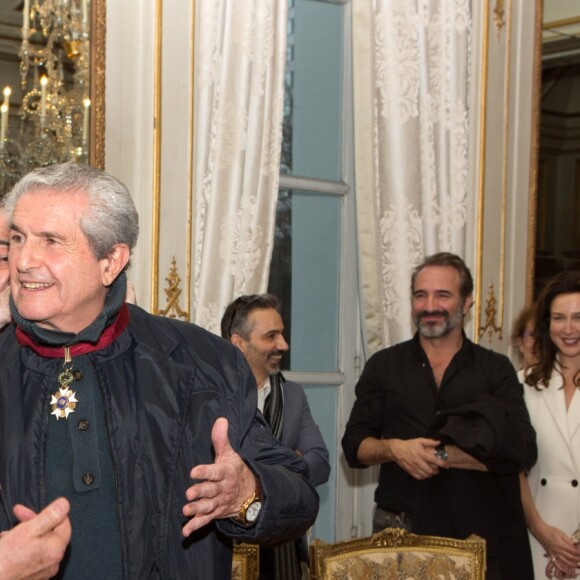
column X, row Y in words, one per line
column 42, row 490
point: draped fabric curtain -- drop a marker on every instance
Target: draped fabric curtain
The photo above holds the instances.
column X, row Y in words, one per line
column 239, row 98
column 411, row 71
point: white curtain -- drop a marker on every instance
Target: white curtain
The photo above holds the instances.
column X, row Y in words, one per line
column 239, row 97
column 411, row 61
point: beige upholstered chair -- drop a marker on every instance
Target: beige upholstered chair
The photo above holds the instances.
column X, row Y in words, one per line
column 394, row 554
column 246, row 562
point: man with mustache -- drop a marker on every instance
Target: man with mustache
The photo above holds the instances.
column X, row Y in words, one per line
column 253, row 324
column 445, row 420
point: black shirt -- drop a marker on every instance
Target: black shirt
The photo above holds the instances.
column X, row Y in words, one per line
column 397, row 397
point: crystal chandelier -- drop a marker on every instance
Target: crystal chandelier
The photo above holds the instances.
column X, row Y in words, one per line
column 54, row 76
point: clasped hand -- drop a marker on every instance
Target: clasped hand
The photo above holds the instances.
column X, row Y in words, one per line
column 562, row 551
column 417, row 457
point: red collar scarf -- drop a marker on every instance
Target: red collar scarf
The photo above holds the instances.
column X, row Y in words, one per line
column 108, row 336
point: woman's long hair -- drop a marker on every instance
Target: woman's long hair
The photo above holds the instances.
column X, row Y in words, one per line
column 519, row 328
column 567, row 282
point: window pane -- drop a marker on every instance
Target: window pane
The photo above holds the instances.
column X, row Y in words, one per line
column 305, row 275
column 323, row 402
column 313, row 94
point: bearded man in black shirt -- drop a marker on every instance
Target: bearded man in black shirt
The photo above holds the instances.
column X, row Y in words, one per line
column 446, row 421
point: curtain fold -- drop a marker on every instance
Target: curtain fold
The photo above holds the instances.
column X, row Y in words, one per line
column 411, row 94
column 238, row 107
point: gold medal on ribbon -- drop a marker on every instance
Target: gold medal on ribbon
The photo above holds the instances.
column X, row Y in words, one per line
column 64, row 401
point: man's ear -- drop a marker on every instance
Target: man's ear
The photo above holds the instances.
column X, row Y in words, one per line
column 114, row 263
column 237, row 341
column 468, row 304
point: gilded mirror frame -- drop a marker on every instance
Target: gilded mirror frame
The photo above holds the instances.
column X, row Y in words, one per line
column 97, row 76
column 534, row 152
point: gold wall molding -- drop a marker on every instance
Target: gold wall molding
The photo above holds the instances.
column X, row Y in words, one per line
column 490, row 326
column 559, row 23
column 505, row 165
column 502, row 19
column 481, row 167
column 534, row 153
column 157, row 97
column 173, row 292
column 158, row 227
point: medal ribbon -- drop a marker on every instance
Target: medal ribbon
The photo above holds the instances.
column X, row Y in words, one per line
column 64, row 402
column 108, row 336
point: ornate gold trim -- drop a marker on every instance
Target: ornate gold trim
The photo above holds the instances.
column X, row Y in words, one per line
column 157, row 96
column 97, row 76
column 534, row 153
column 560, row 23
column 505, row 168
column 498, row 17
column 482, row 159
column 490, row 325
column 246, row 562
column 172, row 292
column 398, row 541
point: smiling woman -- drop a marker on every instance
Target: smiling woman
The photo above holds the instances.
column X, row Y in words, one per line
column 550, row 492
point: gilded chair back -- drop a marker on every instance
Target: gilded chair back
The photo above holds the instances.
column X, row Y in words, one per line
column 396, row 554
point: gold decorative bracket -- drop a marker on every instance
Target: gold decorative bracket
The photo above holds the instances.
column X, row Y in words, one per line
column 490, row 327
column 173, row 292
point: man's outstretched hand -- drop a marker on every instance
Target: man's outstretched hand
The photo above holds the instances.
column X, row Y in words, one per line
column 222, row 487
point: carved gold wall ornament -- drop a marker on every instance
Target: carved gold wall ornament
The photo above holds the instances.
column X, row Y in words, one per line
column 498, row 17
column 490, row 327
column 173, row 291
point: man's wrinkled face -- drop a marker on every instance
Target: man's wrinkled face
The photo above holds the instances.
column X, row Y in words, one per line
column 266, row 344
column 437, row 305
column 56, row 280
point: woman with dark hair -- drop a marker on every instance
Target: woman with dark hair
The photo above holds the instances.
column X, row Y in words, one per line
column 522, row 338
column 551, row 490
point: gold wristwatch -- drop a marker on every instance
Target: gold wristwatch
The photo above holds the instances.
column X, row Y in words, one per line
column 251, row 507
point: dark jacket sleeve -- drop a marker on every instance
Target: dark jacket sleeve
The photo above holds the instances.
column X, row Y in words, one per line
column 304, row 433
column 509, row 391
column 495, row 428
column 289, row 502
column 367, row 412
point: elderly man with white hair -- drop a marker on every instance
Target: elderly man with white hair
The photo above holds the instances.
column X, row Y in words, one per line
column 146, row 425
